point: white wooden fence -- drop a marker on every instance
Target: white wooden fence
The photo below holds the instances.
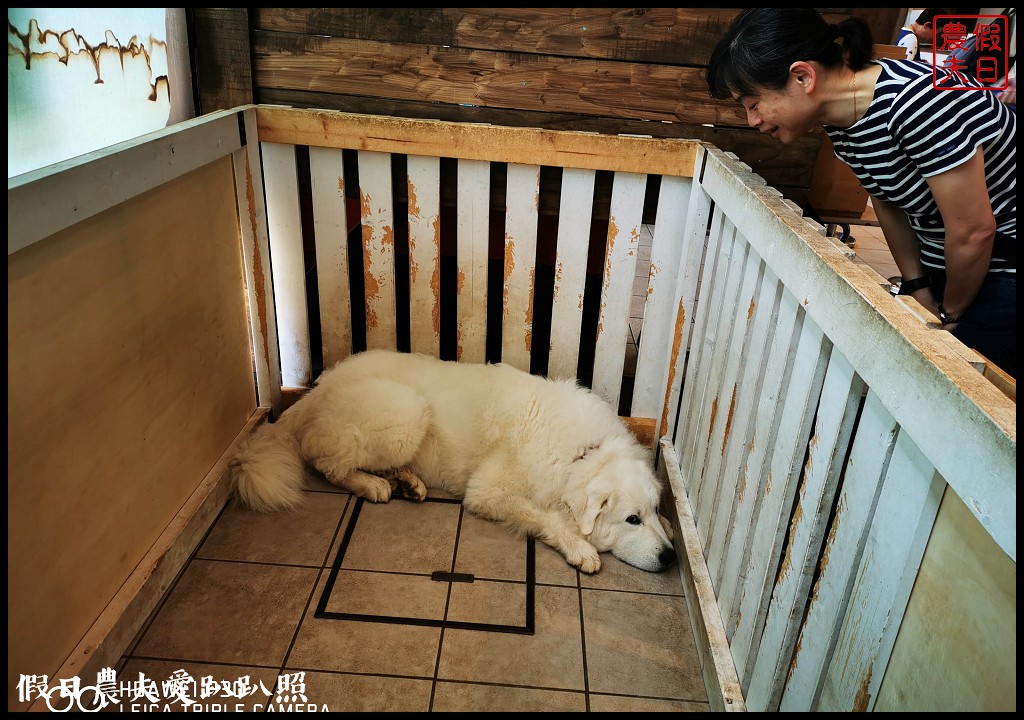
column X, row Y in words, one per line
column 820, row 424
column 808, row 417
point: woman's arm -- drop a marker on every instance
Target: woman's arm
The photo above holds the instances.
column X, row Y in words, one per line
column 906, row 251
column 962, row 196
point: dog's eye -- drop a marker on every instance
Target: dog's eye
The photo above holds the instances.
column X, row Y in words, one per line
column 634, row 520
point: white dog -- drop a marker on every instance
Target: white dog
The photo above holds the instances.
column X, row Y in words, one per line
column 545, row 457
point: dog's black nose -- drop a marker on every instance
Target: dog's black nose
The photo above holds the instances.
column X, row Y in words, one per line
column 666, row 557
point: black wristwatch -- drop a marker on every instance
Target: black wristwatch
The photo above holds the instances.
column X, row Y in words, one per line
column 948, row 318
column 911, row 286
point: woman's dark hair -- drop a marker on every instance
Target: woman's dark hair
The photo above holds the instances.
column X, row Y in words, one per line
column 761, row 44
column 928, row 15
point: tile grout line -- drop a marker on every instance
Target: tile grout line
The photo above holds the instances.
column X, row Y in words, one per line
column 583, row 642
column 447, row 605
column 129, row 654
column 312, row 593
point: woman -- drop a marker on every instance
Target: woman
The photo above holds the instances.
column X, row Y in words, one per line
column 939, row 162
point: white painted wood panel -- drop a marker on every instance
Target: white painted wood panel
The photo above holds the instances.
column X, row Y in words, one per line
column 837, row 411
column 575, row 211
column 625, row 219
column 900, row 527
column 377, row 213
column 782, row 470
column 330, row 223
column 656, row 338
column 474, row 187
column 284, row 226
column 862, row 483
column 425, row 254
column 522, row 195
column 252, row 221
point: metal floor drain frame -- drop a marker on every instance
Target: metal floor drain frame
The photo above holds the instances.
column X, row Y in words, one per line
column 449, row 576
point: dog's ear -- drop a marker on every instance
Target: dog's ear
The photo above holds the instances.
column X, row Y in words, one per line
column 586, row 506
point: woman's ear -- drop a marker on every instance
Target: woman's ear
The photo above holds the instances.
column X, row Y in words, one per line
column 804, row 74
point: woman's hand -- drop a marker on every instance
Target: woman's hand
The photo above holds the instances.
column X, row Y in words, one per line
column 1009, row 95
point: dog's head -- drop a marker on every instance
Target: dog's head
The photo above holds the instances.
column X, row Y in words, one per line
column 614, row 498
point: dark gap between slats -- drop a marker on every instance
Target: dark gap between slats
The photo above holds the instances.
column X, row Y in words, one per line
column 400, row 205
column 544, row 270
column 496, row 260
column 595, row 271
column 448, row 295
column 307, row 229
column 357, row 283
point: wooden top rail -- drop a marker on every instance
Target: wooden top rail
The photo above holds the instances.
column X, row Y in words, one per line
column 472, row 141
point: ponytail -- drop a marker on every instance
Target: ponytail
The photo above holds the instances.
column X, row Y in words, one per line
column 857, row 43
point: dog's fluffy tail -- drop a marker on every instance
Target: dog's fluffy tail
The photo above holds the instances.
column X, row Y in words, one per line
column 268, row 471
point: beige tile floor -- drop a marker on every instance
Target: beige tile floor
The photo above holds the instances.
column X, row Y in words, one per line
column 245, row 607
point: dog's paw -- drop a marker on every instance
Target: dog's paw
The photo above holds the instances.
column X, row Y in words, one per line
column 586, row 559
column 378, row 494
column 369, row 487
column 407, row 485
column 590, row 565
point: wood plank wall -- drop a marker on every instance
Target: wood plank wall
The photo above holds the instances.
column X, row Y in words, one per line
column 606, row 70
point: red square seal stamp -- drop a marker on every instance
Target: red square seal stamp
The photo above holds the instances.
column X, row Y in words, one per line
column 973, row 45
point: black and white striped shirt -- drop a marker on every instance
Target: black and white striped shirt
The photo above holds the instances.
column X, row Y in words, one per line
column 912, row 131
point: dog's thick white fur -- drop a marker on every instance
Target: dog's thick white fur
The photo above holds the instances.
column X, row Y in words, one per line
column 545, row 457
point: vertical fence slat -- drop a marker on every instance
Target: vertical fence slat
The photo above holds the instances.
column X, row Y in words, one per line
column 521, row 199
column 424, row 184
column 695, row 240
column 259, row 286
column 653, row 354
column 330, row 221
column 783, row 335
column 474, row 201
column 702, row 346
column 729, row 428
column 782, row 472
column 575, row 209
column 284, row 225
column 624, row 225
column 714, row 340
column 739, row 290
column 378, row 218
column 902, row 523
column 837, row 412
column 868, row 463
column 762, row 314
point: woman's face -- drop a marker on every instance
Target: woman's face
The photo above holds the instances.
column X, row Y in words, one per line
column 785, row 114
